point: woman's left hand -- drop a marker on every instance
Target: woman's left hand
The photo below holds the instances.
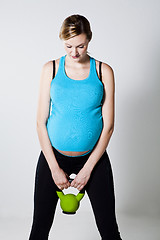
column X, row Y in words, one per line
column 81, row 179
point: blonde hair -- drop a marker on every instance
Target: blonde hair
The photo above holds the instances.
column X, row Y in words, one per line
column 75, row 25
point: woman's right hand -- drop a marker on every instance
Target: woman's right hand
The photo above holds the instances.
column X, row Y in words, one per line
column 60, row 178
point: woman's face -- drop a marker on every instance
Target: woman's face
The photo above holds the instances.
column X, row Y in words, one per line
column 76, row 47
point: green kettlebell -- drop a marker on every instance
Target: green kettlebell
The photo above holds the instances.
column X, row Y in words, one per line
column 70, row 202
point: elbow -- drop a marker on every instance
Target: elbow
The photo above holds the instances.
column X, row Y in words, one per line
column 109, row 130
column 40, row 125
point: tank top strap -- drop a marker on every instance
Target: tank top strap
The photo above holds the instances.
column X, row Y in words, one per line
column 62, row 65
column 92, row 63
column 93, row 66
column 93, row 70
column 61, row 62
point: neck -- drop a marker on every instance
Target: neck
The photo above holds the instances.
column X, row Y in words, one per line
column 78, row 62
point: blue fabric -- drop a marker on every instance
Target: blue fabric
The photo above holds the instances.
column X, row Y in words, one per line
column 75, row 121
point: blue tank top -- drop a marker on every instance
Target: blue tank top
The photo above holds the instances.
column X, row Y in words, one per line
column 75, row 120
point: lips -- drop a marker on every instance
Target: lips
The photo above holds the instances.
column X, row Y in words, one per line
column 75, row 56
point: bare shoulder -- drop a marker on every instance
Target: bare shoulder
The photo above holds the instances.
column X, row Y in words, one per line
column 47, row 68
column 108, row 75
column 107, row 70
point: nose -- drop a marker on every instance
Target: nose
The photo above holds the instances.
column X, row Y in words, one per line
column 74, row 51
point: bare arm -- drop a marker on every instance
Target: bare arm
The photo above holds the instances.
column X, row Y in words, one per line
column 108, row 127
column 43, row 109
column 108, row 117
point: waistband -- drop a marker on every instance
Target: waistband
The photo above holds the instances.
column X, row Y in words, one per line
column 67, row 156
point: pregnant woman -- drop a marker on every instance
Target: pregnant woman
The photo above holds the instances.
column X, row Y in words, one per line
column 75, row 121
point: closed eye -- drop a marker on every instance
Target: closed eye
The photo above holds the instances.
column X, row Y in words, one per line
column 79, row 46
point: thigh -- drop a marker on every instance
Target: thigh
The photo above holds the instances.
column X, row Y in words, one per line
column 45, row 200
column 100, row 189
column 45, row 188
column 100, row 186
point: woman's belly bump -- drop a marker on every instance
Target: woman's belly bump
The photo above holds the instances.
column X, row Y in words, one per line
column 74, row 138
column 71, row 153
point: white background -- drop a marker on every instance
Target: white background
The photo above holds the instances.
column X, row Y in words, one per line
column 126, row 36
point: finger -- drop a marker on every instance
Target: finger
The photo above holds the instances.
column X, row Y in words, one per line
column 79, row 187
column 59, row 187
column 66, row 186
column 74, row 184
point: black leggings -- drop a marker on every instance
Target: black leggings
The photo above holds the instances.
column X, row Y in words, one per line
column 100, row 189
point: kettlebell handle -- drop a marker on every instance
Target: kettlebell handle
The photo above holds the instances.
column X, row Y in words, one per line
column 71, row 179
